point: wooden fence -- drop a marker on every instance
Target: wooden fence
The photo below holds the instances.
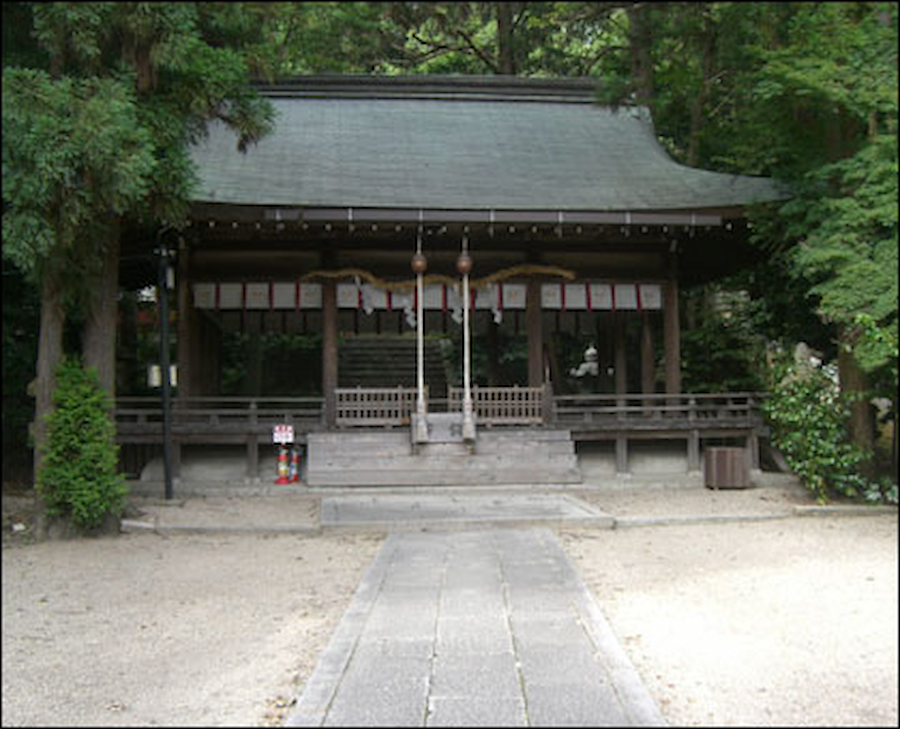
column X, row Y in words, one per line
column 374, row 406
column 503, row 405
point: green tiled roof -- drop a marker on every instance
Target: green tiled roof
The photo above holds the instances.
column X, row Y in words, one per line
column 458, row 144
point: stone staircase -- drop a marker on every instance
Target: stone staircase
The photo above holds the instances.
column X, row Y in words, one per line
column 386, row 458
column 385, row 361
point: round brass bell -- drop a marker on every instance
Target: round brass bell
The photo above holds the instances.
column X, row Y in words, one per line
column 419, row 263
column 464, row 264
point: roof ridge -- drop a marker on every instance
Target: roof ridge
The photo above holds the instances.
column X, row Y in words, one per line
column 494, row 88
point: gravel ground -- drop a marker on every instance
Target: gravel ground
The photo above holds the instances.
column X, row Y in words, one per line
column 756, row 623
column 781, row 623
column 140, row 630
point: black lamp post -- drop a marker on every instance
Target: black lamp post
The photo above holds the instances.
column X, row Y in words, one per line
column 164, row 259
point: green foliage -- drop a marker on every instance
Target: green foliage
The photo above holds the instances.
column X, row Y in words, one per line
column 722, row 351
column 79, row 478
column 21, row 314
column 73, row 152
column 809, row 419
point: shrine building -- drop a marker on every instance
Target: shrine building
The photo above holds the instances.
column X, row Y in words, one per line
column 485, row 264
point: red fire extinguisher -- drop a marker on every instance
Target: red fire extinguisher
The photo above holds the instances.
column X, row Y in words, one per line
column 294, row 476
column 282, row 464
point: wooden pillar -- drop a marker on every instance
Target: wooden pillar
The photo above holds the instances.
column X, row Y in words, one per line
column 185, row 332
column 493, row 353
column 253, row 383
column 534, row 325
column 621, row 367
column 672, row 338
column 329, row 348
column 621, row 356
column 648, row 369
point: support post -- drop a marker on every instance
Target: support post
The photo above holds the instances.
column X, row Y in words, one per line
column 621, row 365
column 534, row 325
column 329, row 349
column 253, row 445
column 648, row 382
column 694, row 451
column 621, row 454
column 672, row 338
column 753, row 450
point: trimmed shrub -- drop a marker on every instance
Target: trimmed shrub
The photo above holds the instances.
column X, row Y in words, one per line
column 79, row 479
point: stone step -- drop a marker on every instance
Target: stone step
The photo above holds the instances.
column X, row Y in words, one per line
column 518, row 453
column 432, row 477
column 385, row 458
column 498, row 434
column 399, row 444
column 441, row 463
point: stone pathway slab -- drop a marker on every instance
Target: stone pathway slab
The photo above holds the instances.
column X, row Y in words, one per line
column 474, row 628
column 416, row 511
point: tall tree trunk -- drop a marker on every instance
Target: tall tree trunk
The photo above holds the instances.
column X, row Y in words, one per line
column 101, row 323
column 854, row 383
column 707, row 71
column 50, row 351
column 505, row 55
column 640, row 40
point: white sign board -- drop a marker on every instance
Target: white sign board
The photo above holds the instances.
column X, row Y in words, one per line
column 283, row 434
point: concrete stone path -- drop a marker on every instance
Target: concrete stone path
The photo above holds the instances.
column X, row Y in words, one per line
column 395, row 512
column 474, row 628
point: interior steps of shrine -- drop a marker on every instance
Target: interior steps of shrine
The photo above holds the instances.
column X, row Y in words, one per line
column 389, row 361
column 387, row 458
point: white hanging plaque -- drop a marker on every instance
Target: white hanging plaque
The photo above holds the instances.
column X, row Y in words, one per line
column 283, row 434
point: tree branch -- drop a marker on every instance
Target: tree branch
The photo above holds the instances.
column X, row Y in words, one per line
column 478, row 52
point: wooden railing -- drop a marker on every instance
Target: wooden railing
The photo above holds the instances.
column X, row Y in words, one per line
column 374, row 406
column 212, row 416
column 140, row 418
column 651, row 412
column 503, row 405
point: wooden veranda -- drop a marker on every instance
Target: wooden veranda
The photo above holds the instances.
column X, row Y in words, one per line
column 248, row 421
